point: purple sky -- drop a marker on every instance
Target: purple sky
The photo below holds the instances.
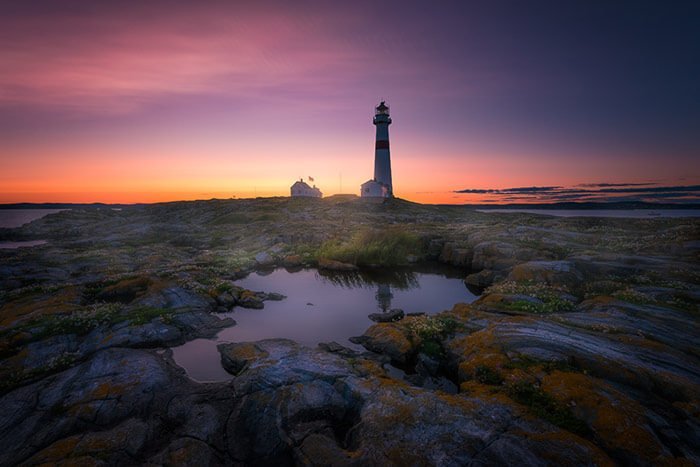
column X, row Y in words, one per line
column 140, row 101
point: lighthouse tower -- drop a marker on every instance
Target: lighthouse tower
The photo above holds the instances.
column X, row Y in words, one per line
column 380, row 185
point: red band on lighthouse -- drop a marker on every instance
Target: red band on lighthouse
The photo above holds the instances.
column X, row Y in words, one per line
column 382, row 145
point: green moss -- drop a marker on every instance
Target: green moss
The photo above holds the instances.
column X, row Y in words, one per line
column 524, row 362
column 487, row 375
column 550, row 297
column 15, row 379
column 546, row 407
column 146, row 314
column 432, row 349
column 93, row 289
column 79, row 322
column 632, row 295
column 551, row 305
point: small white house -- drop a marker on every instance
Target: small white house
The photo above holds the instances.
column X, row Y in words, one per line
column 374, row 189
column 301, row 188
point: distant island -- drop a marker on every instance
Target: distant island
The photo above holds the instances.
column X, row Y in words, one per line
column 561, row 205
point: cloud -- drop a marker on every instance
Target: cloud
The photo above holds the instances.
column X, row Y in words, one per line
column 604, row 192
column 529, row 189
column 118, row 62
column 607, row 185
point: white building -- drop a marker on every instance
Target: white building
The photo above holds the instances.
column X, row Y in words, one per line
column 374, row 189
column 380, row 186
column 301, row 188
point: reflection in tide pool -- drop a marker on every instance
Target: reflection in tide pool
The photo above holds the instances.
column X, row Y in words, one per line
column 323, row 307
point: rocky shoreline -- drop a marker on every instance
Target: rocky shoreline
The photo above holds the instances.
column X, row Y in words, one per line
column 582, row 349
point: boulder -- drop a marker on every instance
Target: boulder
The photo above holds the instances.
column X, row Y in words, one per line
column 235, row 357
column 226, row 300
column 558, row 273
column 264, row 259
column 481, row 279
column 393, row 315
column 333, row 265
column 389, row 339
column 292, row 261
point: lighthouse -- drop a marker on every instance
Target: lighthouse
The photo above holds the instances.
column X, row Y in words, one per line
column 380, row 186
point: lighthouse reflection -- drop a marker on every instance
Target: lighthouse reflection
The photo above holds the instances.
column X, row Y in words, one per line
column 384, row 280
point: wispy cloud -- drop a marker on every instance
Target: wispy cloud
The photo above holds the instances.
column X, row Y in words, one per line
column 606, row 185
column 528, row 189
column 600, row 192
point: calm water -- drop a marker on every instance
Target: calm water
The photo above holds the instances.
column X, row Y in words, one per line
column 321, row 308
column 11, row 218
column 628, row 213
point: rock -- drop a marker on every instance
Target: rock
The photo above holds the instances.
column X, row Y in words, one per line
column 250, row 299
column 549, row 272
column 277, row 362
column 426, row 365
column 226, row 300
column 114, row 384
column 481, row 279
column 392, row 315
column 264, row 259
column 334, row 347
column 461, row 430
column 274, row 296
column 416, row 313
column 332, row 265
column 292, row 261
column 457, row 256
column 388, row 339
column 618, row 421
column 186, row 451
column 117, row 445
column 502, row 302
column 236, row 357
column 493, row 255
column 254, row 303
column 175, row 297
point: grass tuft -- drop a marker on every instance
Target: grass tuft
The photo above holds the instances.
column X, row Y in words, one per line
column 387, row 247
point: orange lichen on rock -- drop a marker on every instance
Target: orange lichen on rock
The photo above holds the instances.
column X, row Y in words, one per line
column 105, row 390
column 553, row 441
column 618, row 421
column 246, row 351
column 392, row 336
column 56, row 452
column 365, row 367
column 63, row 301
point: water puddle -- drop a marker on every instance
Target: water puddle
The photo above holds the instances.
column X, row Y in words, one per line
column 323, row 307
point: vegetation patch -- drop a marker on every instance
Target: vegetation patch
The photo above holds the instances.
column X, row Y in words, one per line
column 430, row 328
column 386, row 247
column 83, row 321
column 15, row 379
column 432, row 348
column 146, row 314
column 524, row 362
column 632, row 295
column 549, row 296
column 544, row 406
column 487, row 375
column 79, row 322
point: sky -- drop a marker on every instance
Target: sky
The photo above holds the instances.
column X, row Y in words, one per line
column 492, row 101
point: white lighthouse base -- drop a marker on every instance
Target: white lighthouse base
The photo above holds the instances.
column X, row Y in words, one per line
column 374, row 189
